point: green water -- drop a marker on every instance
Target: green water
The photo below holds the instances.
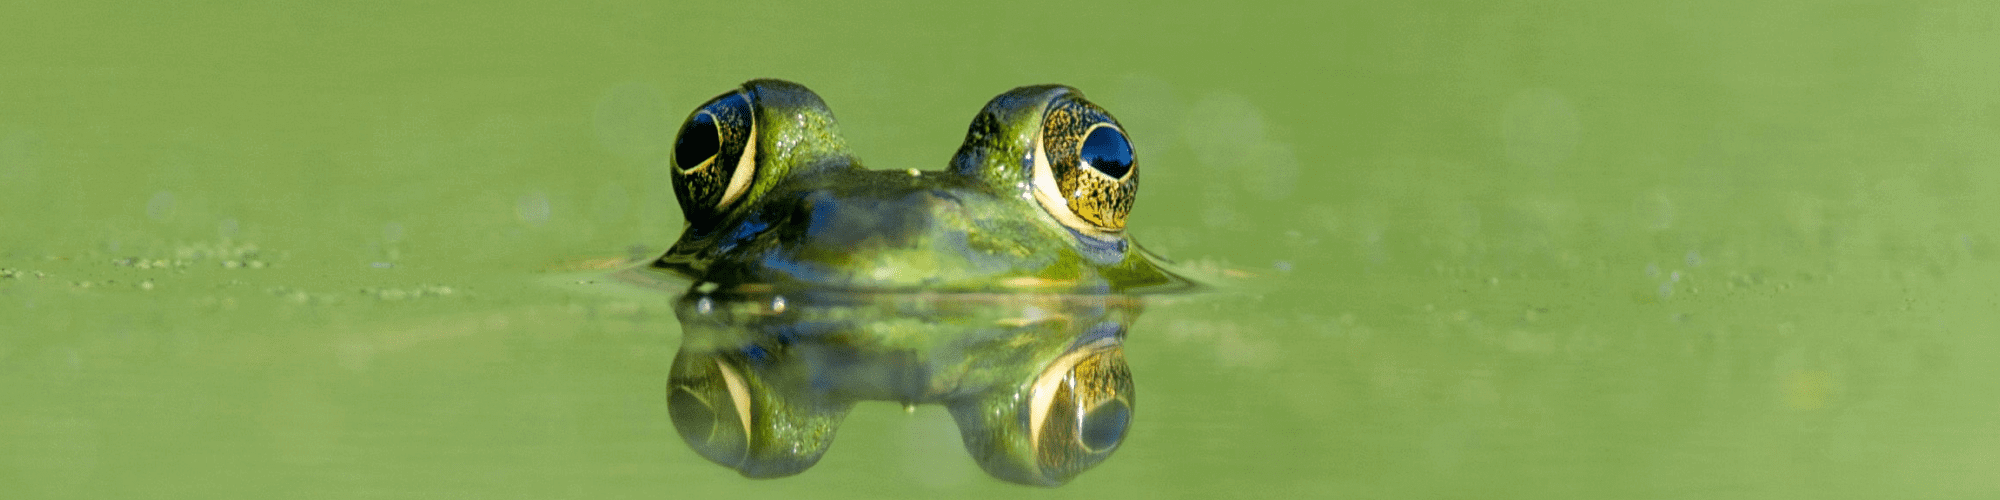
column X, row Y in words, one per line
column 1515, row 250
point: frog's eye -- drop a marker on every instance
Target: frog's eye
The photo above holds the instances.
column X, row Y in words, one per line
column 1085, row 173
column 1079, row 408
column 715, row 157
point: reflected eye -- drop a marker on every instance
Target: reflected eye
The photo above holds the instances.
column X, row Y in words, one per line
column 710, row 406
column 1065, row 420
column 1080, row 408
column 715, row 157
column 1085, row 172
column 727, row 412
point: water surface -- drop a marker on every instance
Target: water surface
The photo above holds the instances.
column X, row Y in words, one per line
column 1516, row 250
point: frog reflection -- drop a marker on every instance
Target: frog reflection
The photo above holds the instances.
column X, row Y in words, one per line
column 1037, row 383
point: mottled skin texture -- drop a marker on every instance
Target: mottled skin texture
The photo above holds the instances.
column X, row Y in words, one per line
column 813, row 217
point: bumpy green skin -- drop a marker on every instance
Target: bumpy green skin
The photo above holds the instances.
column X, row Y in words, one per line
column 813, row 217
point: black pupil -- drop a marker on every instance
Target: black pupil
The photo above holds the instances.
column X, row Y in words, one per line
column 1107, row 151
column 697, row 142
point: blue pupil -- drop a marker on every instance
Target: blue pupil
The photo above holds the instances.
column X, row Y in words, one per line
column 1106, row 150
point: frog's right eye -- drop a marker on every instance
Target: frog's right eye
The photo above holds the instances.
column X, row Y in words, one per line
column 715, row 157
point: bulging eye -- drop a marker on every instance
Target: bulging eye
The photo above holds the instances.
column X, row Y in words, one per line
column 715, row 157
column 1085, row 172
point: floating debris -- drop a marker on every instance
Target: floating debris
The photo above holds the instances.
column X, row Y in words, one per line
column 418, row 292
column 226, row 254
column 295, row 295
column 8, row 273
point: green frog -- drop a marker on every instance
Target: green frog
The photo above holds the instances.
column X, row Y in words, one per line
column 1000, row 286
column 1036, row 198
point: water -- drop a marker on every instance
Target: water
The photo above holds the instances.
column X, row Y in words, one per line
column 1520, row 250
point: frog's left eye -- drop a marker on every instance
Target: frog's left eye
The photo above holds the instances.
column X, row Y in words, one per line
column 1085, row 173
column 715, row 157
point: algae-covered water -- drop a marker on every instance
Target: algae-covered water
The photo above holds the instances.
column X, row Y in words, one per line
column 1466, row 249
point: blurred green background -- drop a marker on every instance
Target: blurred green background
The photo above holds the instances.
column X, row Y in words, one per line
column 1495, row 249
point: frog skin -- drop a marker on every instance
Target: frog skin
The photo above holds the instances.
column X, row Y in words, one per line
column 1036, row 198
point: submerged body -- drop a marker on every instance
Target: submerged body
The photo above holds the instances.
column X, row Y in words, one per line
column 1035, row 199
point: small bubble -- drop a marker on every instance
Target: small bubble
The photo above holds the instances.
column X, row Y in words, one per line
column 533, row 208
column 392, row 232
column 160, row 205
column 1693, row 258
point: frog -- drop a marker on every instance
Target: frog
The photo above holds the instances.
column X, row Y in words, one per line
column 1036, row 198
column 1000, row 286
